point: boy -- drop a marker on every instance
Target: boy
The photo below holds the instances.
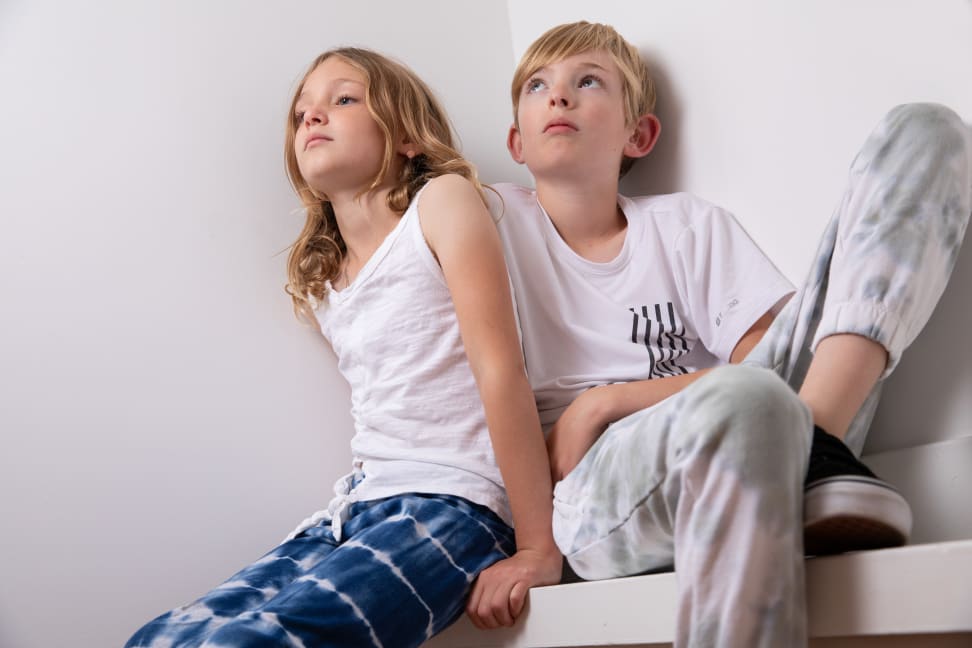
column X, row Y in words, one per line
column 631, row 310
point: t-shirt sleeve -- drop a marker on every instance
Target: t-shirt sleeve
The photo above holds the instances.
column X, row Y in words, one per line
column 726, row 280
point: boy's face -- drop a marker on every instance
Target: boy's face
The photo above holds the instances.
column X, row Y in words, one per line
column 571, row 119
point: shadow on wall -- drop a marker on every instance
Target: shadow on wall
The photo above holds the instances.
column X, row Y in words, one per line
column 661, row 171
column 928, row 391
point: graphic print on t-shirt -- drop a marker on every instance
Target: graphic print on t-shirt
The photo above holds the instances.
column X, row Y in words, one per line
column 663, row 335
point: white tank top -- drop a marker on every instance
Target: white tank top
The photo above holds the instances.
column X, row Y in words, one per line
column 419, row 424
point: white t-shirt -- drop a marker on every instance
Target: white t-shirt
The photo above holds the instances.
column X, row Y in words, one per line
column 419, row 423
column 686, row 286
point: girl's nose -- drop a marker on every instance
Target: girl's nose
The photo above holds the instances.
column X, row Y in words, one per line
column 315, row 116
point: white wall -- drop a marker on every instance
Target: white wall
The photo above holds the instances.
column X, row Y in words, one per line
column 165, row 419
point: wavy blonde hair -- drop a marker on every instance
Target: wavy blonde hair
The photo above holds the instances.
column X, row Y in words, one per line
column 405, row 110
column 571, row 39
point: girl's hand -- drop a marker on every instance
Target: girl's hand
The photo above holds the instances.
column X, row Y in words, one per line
column 577, row 429
column 499, row 593
column 463, row 237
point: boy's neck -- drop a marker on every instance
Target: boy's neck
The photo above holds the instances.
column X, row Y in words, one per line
column 587, row 217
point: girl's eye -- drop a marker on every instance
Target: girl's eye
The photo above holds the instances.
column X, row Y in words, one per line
column 534, row 84
column 589, row 81
column 344, row 100
column 299, row 117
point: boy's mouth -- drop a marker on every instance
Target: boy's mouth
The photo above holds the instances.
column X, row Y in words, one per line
column 559, row 126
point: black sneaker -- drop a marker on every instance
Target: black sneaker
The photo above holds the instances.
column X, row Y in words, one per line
column 846, row 507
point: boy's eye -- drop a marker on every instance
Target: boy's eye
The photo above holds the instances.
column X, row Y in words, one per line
column 589, row 81
column 534, row 84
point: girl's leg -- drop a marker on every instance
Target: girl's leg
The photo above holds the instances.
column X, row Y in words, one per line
column 401, row 575
column 881, row 268
column 710, row 480
column 253, row 586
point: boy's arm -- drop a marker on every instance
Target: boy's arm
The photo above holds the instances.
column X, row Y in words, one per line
column 585, row 419
column 464, row 239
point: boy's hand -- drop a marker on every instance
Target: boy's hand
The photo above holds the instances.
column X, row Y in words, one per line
column 499, row 593
column 578, row 427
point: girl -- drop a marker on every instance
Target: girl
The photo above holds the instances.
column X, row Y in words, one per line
column 400, row 264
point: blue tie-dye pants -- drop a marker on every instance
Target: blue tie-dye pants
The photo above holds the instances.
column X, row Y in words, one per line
column 399, row 574
column 711, row 479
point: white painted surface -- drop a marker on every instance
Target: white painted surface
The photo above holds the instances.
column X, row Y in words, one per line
column 936, row 479
column 918, row 590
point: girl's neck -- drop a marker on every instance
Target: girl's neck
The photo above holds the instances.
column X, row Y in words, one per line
column 587, row 217
column 364, row 221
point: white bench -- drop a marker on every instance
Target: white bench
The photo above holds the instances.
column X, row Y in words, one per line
column 914, row 596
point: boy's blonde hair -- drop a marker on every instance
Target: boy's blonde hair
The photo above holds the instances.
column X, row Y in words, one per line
column 405, row 110
column 571, row 39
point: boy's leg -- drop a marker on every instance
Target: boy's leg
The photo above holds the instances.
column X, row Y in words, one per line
column 251, row 587
column 710, row 480
column 401, row 575
column 882, row 265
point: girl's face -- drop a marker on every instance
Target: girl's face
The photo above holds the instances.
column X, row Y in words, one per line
column 338, row 145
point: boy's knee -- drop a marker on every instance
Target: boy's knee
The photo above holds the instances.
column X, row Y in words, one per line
column 746, row 390
column 926, row 116
column 935, row 125
column 751, row 412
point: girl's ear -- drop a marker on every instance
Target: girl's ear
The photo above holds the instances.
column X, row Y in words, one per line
column 408, row 149
column 643, row 138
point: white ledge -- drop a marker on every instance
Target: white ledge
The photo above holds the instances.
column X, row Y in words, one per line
column 920, row 589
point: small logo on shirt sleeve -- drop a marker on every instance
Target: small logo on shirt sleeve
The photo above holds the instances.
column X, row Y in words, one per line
column 732, row 304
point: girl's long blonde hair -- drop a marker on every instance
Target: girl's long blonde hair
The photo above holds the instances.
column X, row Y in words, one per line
column 406, row 110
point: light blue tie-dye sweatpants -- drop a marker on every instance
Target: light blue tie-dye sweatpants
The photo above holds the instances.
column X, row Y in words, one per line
column 399, row 574
column 711, row 479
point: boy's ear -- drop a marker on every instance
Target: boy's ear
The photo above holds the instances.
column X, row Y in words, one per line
column 514, row 144
column 644, row 137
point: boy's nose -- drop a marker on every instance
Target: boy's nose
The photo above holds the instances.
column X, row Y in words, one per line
column 559, row 99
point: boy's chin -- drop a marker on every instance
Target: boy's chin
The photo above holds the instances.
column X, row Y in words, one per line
column 553, row 171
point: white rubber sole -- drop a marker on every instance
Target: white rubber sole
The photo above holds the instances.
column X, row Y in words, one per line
column 853, row 513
